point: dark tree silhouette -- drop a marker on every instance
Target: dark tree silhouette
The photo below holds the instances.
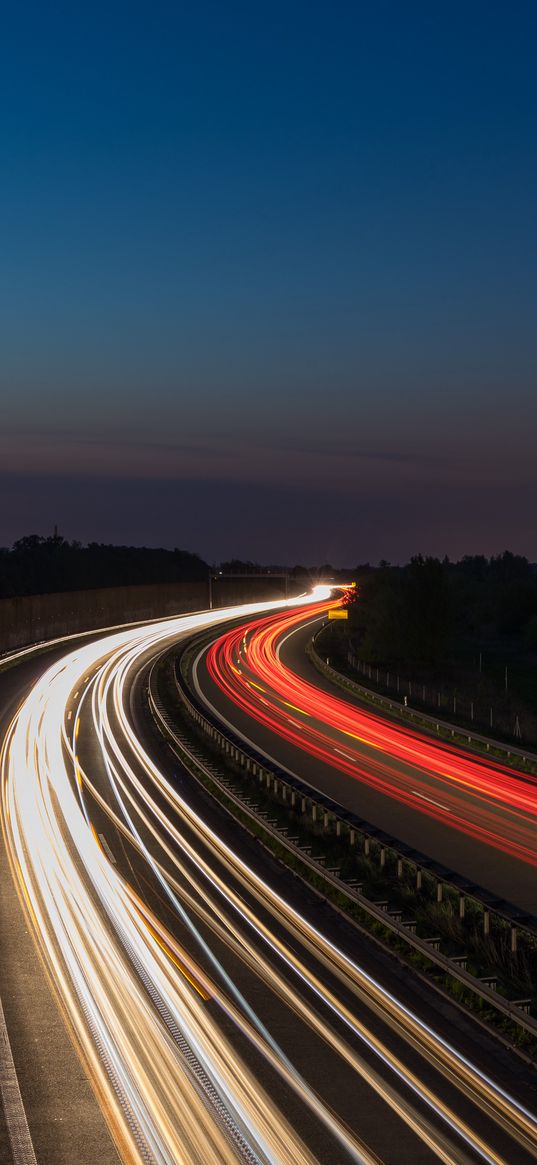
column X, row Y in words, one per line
column 37, row 565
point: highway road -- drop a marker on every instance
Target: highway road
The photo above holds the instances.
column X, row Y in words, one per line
column 65, row 1122
column 219, row 1014
column 470, row 814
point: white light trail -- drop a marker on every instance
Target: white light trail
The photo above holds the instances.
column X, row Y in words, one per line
column 172, row 1086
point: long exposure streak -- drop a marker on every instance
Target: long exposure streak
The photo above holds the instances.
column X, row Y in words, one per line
column 149, row 982
column 482, row 799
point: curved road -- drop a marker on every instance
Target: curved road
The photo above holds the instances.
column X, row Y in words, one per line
column 471, row 815
column 217, row 1018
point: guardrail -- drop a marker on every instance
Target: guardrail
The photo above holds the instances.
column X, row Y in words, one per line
column 407, row 712
column 329, row 816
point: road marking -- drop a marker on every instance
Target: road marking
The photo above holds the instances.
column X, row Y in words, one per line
column 346, row 755
column 22, row 1148
column 431, row 799
column 107, row 849
column 166, row 942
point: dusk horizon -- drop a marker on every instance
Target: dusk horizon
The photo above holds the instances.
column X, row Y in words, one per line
column 268, row 583
column 281, row 255
column 321, row 525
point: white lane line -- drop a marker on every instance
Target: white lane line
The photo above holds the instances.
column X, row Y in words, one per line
column 431, row 799
column 22, row 1149
column 345, row 754
column 107, row 849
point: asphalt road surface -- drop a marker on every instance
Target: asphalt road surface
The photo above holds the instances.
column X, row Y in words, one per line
column 221, row 1014
column 471, row 815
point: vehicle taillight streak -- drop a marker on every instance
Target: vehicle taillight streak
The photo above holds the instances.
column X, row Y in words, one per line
column 482, row 799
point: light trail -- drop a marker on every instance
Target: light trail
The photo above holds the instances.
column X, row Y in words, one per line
column 484, row 800
column 152, row 1020
column 85, row 919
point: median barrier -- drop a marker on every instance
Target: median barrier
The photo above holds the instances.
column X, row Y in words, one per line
column 327, row 817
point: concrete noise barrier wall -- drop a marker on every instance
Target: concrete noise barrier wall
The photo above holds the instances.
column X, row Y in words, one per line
column 34, row 618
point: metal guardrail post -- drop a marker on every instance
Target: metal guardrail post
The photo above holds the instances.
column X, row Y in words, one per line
column 406, row 927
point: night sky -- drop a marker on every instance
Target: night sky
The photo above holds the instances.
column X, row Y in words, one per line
column 268, row 277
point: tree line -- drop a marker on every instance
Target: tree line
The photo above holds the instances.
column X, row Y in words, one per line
column 36, row 565
column 43, row 565
column 431, row 609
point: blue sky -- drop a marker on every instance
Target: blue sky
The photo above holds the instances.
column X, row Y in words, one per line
column 289, row 249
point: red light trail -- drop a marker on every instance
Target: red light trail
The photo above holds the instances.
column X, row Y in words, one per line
column 482, row 799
